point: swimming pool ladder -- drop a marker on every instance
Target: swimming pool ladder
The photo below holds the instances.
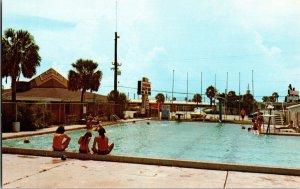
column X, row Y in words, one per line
column 114, row 116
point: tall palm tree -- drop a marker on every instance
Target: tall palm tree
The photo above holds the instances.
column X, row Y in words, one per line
column 160, row 98
column 85, row 77
column 19, row 56
column 211, row 93
column 197, row 98
column 275, row 95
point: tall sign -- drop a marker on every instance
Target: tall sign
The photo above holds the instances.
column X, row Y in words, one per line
column 144, row 89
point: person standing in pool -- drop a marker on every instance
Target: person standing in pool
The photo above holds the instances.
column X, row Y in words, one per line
column 260, row 120
column 255, row 127
column 100, row 145
column 243, row 113
column 84, row 143
column 60, row 139
column 89, row 121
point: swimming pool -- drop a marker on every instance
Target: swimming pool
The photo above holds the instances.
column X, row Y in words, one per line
column 196, row 141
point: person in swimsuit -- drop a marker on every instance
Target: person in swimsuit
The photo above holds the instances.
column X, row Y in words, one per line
column 84, row 143
column 255, row 127
column 60, row 139
column 100, row 145
column 89, row 121
column 291, row 125
column 260, row 120
column 243, row 113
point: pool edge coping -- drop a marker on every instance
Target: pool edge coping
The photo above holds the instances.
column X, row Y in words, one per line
column 155, row 161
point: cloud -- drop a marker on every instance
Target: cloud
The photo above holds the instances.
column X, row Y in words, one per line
column 272, row 51
column 267, row 13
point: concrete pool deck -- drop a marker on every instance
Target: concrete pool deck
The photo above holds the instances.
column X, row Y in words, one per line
column 27, row 171
column 23, row 171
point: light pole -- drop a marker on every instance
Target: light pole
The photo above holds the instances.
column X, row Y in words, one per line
column 116, row 64
column 173, row 86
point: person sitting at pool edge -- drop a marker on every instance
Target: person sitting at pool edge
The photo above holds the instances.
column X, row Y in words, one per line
column 100, row 145
column 84, row 143
column 60, row 139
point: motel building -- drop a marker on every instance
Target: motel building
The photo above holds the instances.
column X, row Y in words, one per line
column 50, row 91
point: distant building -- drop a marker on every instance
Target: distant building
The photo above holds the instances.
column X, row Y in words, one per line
column 293, row 95
column 294, row 114
column 50, row 86
column 50, row 90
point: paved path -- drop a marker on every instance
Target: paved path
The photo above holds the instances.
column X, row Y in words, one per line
column 21, row 171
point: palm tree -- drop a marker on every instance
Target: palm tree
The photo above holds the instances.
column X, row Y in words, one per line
column 160, row 98
column 248, row 101
column 85, row 77
column 121, row 97
column 19, row 56
column 211, row 93
column 197, row 98
column 231, row 96
column 265, row 99
column 275, row 95
column 272, row 99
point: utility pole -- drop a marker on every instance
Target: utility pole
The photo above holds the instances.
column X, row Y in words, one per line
column 201, row 84
column 252, row 85
column 116, row 64
column 187, row 86
column 173, row 87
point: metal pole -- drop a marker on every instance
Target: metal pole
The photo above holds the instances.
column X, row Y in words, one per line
column 116, row 64
column 252, row 84
column 187, row 86
column 201, row 84
column 252, row 90
column 226, row 101
column 239, row 95
column 173, row 86
column 215, row 91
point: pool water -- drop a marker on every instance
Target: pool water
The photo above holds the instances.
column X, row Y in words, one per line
column 198, row 141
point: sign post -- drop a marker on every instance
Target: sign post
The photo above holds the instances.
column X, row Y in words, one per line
column 144, row 89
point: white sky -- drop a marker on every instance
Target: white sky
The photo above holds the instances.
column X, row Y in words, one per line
column 159, row 36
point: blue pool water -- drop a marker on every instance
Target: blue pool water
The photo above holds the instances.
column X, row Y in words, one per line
column 199, row 141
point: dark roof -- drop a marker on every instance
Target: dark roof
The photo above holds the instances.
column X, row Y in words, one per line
column 50, row 86
column 48, row 79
